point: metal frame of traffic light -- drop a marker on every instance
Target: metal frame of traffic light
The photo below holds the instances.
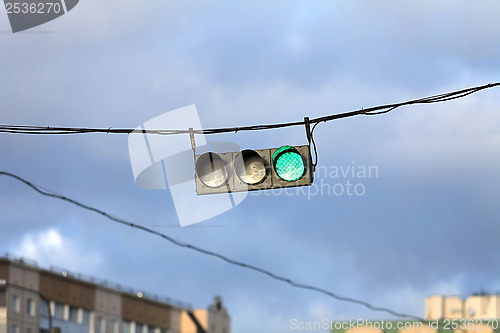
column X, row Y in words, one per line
column 252, row 170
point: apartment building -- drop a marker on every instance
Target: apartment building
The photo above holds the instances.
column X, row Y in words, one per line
column 477, row 306
column 480, row 312
column 36, row 300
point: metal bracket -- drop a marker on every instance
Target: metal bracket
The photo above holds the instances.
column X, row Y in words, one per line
column 307, row 123
column 308, row 129
column 193, row 142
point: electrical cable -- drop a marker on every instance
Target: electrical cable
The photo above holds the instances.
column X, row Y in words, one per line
column 213, row 254
column 377, row 110
column 315, row 163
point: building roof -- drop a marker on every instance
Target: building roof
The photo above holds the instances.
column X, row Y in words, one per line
column 90, row 281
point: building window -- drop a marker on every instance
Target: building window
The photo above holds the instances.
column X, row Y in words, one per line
column 114, row 326
column 44, row 308
column 101, row 325
column 15, row 329
column 16, row 304
column 30, row 307
column 126, row 327
column 59, row 311
column 73, row 314
column 85, row 317
column 138, row 328
column 151, row 329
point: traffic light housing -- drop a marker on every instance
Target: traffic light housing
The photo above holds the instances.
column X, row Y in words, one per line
column 251, row 170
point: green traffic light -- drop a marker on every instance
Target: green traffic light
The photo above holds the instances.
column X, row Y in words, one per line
column 288, row 163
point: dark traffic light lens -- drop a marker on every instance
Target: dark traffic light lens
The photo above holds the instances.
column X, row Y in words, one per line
column 211, row 170
column 288, row 163
column 250, row 167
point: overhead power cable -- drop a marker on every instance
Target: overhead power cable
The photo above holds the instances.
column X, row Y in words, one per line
column 376, row 110
column 274, row 276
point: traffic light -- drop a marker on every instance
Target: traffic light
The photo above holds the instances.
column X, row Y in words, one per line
column 251, row 170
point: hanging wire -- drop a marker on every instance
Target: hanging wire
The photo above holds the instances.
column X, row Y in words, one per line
column 315, row 163
column 182, row 244
column 376, row 110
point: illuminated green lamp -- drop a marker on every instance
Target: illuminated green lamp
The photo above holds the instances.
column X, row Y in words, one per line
column 288, row 163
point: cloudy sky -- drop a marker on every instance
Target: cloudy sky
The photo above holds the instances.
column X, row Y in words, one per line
column 427, row 222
